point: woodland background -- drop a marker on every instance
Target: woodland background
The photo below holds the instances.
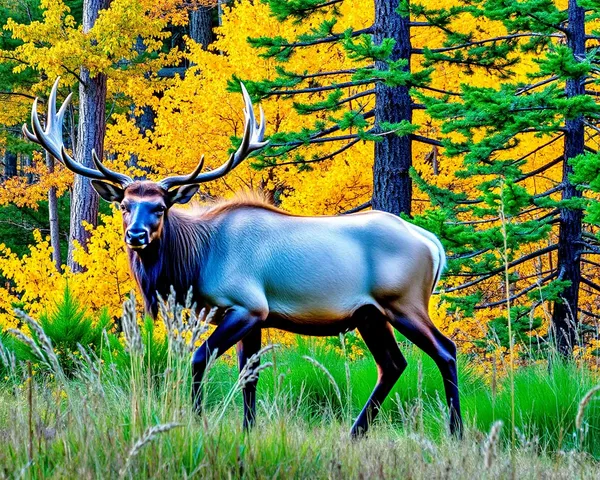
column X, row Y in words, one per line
column 477, row 119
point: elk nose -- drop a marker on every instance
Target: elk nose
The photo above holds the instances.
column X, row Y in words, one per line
column 136, row 238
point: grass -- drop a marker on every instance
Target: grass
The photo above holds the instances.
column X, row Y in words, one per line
column 124, row 411
column 136, row 424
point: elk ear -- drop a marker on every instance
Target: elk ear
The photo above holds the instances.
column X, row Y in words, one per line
column 108, row 191
column 182, row 194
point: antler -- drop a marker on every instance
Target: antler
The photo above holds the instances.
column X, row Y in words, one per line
column 252, row 141
column 52, row 141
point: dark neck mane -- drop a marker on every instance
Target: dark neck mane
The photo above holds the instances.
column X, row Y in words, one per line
column 175, row 259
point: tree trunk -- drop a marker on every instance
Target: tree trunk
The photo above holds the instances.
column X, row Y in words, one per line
column 564, row 316
column 53, row 218
column 201, row 26
column 147, row 119
column 90, row 135
column 27, row 163
column 10, row 164
column 392, row 185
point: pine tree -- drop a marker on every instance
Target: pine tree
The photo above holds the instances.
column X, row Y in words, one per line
column 372, row 102
column 498, row 132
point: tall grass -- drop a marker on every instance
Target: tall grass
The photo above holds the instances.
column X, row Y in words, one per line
column 133, row 419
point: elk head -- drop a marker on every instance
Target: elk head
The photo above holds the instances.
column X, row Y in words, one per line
column 142, row 202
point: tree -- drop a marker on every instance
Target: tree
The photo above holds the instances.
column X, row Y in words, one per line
column 90, row 136
column 521, row 140
column 104, row 47
column 201, row 23
column 376, row 98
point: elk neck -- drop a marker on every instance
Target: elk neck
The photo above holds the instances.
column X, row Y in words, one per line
column 174, row 259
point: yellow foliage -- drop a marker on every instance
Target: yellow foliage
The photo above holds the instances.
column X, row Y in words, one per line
column 36, row 285
column 197, row 115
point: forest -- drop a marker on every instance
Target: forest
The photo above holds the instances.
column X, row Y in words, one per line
column 477, row 120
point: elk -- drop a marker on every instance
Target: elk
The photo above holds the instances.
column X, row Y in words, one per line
column 261, row 267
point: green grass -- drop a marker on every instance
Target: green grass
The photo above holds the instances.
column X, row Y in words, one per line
column 87, row 426
column 99, row 417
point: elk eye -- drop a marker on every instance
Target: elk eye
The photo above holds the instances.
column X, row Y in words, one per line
column 124, row 208
column 160, row 210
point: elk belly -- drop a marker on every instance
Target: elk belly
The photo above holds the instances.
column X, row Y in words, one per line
column 326, row 283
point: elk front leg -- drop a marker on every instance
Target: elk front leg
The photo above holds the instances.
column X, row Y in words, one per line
column 247, row 347
column 235, row 325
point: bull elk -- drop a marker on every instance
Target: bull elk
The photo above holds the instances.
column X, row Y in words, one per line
column 261, row 267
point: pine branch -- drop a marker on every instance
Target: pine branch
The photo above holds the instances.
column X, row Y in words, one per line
column 420, row 24
column 491, row 220
column 483, row 42
column 437, row 90
column 593, row 127
column 498, row 270
column 593, row 249
column 319, row 159
column 540, row 169
column 590, row 284
column 18, row 94
column 322, row 133
column 321, row 89
column 557, row 27
column 349, row 71
column 533, row 86
column 427, row 140
column 330, row 39
column 364, row 206
column 558, row 188
column 585, row 260
column 317, row 140
column 517, row 295
column 468, row 255
column 366, row 93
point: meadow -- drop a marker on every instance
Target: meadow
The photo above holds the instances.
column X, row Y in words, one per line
column 120, row 408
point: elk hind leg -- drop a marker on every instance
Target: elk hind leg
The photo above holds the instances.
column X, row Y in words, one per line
column 379, row 338
column 248, row 346
column 420, row 330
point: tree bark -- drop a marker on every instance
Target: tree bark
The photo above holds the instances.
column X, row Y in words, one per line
column 90, row 135
column 10, row 164
column 201, row 26
column 392, row 185
column 53, row 218
column 564, row 315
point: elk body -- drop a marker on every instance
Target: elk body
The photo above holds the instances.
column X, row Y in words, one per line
column 263, row 268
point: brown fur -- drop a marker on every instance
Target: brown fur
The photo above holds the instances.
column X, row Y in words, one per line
column 144, row 188
column 242, row 199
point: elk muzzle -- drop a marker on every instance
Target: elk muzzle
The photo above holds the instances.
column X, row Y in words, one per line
column 137, row 238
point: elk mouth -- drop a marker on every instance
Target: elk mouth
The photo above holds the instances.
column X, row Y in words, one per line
column 136, row 246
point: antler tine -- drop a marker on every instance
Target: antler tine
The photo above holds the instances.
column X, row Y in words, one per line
column 170, row 182
column 110, row 175
column 51, row 140
column 251, row 141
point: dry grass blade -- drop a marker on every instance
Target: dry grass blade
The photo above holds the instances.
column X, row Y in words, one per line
column 251, row 370
column 7, row 357
column 491, row 442
column 587, row 398
column 184, row 324
column 322, row 367
column 131, row 329
column 144, row 440
column 43, row 348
